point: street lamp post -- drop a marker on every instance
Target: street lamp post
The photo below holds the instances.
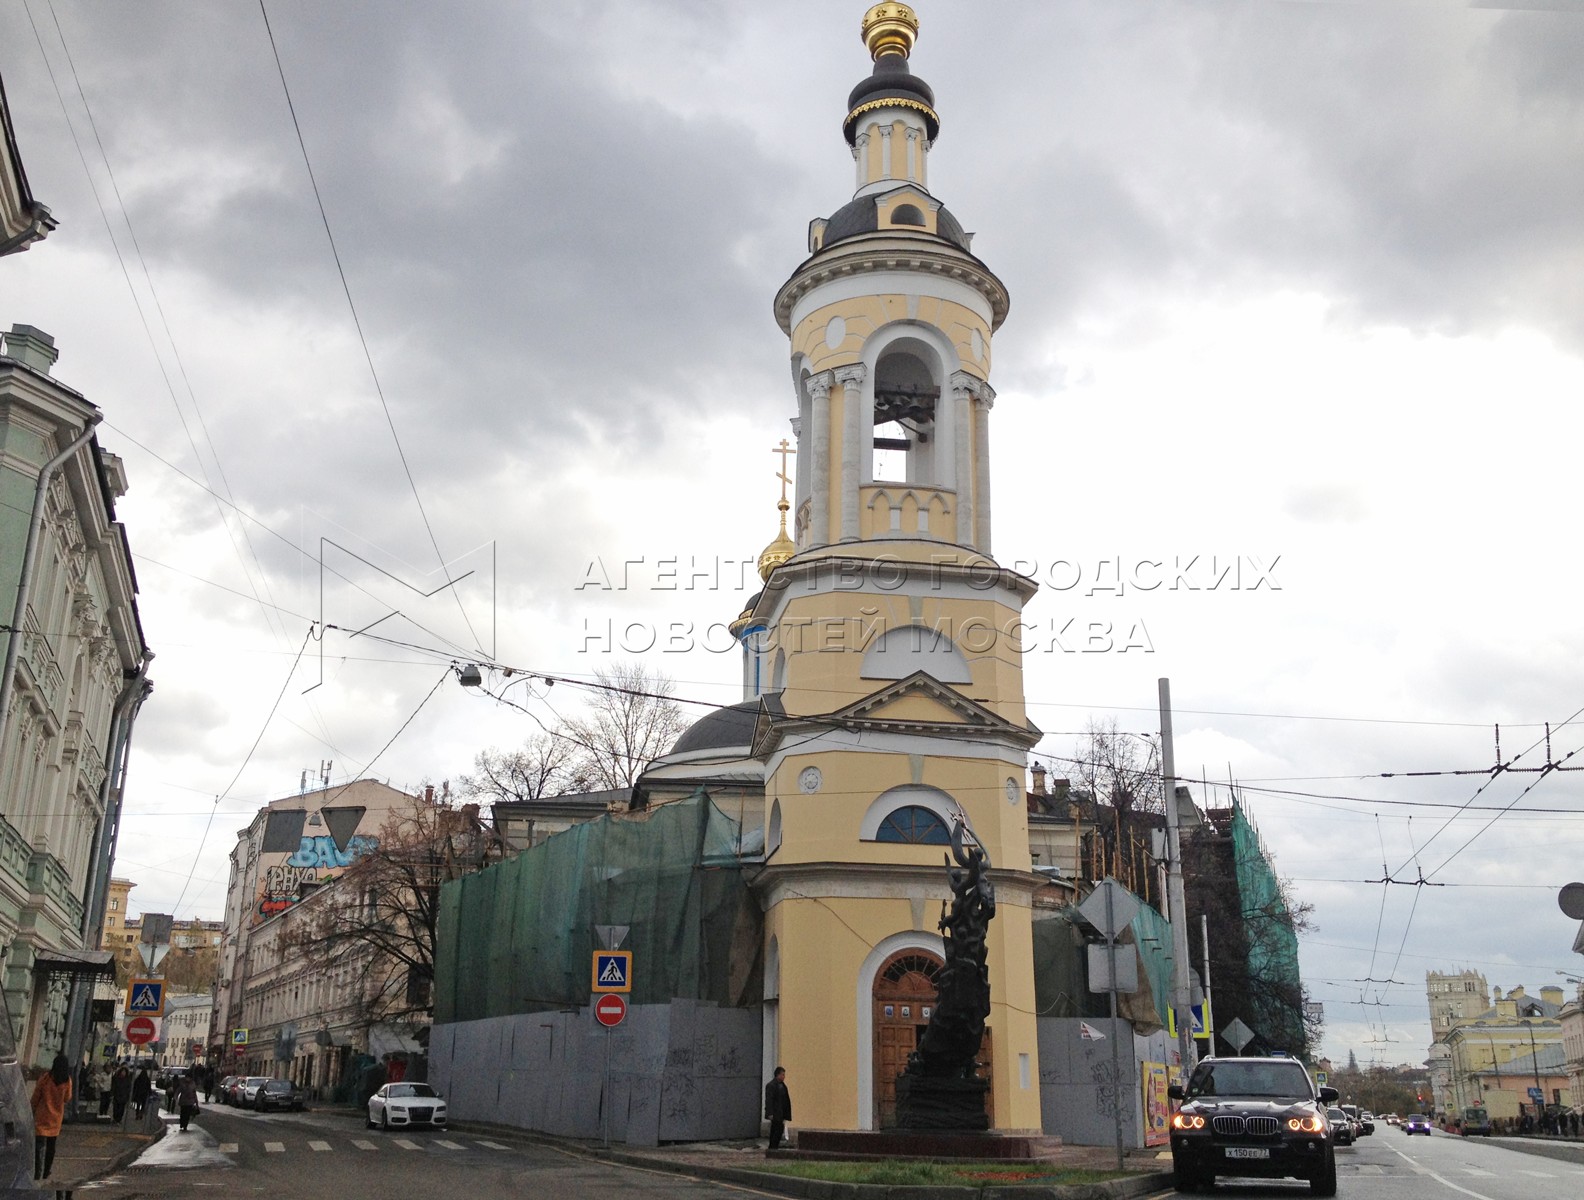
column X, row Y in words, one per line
column 1534, row 1058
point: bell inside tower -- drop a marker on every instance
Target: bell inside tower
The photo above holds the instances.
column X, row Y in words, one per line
column 906, row 396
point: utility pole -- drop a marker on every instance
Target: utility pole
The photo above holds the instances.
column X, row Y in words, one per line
column 1182, row 1003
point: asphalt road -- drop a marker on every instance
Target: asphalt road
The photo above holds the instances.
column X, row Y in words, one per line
column 330, row 1154
column 1390, row 1165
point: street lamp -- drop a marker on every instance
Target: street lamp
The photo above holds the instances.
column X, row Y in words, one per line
column 1534, row 1057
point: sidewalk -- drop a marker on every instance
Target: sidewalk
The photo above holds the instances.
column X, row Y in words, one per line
column 90, row 1148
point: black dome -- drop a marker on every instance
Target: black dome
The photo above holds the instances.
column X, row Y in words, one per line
column 862, row 216
column 724, row 729
column 892, row 80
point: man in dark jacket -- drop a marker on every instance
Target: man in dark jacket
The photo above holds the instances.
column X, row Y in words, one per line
column 778, row 1106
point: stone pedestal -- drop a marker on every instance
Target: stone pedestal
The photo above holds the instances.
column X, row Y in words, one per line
column 947, row 1104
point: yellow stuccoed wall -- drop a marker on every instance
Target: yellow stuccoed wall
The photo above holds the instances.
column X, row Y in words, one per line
column 825, row 826
column 823, row 635
column 823, row 945
column 865, row 314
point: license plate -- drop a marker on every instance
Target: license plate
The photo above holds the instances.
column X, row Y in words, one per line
column 1247, row 1152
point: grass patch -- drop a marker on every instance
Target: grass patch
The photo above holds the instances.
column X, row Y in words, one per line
column 934, row 1174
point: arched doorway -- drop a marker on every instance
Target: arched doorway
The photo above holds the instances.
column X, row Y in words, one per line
column 904, row 996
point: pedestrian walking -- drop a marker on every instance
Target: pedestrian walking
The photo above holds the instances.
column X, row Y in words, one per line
column 120, row 1092
column 208, row 1084
column 778, row 1106
column 103, row 1083
column 51, row 1094
column 142, row 1089
column 186, row 1100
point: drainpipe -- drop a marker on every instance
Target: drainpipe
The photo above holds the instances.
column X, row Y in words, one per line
column 111, row 789
column 29, row 554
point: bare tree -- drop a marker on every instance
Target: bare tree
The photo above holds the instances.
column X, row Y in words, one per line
column 1119, row 769
column 377, row 920
column 630, row 720
column 545, row 765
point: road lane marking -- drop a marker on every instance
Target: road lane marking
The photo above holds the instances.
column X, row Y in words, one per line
column 1538, row 1174
column 405, row 1144
column 449, row 1145
column 494, row 1146
column 228, row 1147
column 318, row 1145
column 1445, row 1182
column 1477, row 1171
column 362, row 1145
column 275, row 1147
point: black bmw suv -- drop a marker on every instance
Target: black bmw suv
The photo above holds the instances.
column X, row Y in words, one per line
column 1257, row 1117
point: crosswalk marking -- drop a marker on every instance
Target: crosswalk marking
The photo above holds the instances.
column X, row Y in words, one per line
column 449, row 1145
column 228, row 1147
column 405, row 1144
column 493, row 1146
column 1538, row 1174
column 1477, row 1171
column 318, row 1145
column 362, row 1145
column 275, row 1147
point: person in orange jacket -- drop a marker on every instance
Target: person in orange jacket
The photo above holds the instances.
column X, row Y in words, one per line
column 50, row 1096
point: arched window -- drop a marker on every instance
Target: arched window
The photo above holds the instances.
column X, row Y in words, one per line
column 915, row 826
column 907, row 214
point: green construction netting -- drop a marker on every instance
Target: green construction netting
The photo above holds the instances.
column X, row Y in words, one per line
column 1272, row 943
column 1061, row 984
column 519, row 937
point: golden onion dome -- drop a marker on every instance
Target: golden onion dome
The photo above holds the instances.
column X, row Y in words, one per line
column 890, row 29
column 778, row 551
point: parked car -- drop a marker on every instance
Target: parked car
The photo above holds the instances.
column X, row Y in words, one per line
column 1252, row 1117
column 1367, row 1119
column 1341, row 1127
column 223, row 1089
column 281, row 1094
column 1475, row 1121
column 406, row 1104
column 1417, row 1123
column 247, row 1089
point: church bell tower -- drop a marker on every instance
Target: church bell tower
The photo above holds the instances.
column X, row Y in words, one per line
column 888, row 649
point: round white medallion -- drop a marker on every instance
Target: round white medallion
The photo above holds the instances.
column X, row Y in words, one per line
column 810, row 779
column 1011, row 790
column 835, row 333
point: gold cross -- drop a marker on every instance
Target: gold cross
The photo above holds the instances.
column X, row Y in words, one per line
column 784, row 449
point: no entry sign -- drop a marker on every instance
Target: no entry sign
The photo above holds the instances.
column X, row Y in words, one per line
column 610, row 1010
column 141, row 1030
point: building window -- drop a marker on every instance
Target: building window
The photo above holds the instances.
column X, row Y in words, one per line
column 915, row 826
column 115, row 906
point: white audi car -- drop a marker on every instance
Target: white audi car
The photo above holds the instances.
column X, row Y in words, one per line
column 404, row 1105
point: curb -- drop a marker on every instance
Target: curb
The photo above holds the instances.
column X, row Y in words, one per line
column 820, row 1189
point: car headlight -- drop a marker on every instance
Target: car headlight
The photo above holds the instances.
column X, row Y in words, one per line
column 1305, row 1124
column 1188, row 1121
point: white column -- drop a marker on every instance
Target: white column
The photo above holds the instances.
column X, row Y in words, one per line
column 857, row 446
column 819, row 387
column 913, row 155
column 984, row 401
column 961, row 417
column 861, row 155
column 885, row 152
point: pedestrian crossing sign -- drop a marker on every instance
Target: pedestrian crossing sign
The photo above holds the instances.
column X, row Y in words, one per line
column 612, row 971
column 145, row 998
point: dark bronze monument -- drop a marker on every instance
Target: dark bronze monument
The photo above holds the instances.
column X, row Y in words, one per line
column 939, row 1089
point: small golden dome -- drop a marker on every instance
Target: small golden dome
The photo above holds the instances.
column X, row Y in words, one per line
column 890, row 29
column 778, row 551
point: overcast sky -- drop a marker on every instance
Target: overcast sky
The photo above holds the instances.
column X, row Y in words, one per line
column 1292, row 283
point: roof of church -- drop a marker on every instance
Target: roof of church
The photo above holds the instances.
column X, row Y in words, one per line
column 862, row 216
column 892, row 79
column 725, row 728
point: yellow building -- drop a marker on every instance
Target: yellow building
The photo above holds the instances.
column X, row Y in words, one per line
column 883, row 672
column 116, row 934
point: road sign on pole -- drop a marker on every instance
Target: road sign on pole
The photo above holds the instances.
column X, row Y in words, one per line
column 612, row 971
column 146, row 998
column 141, row 1030
column 610, row 1011
column 1237, row 1034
